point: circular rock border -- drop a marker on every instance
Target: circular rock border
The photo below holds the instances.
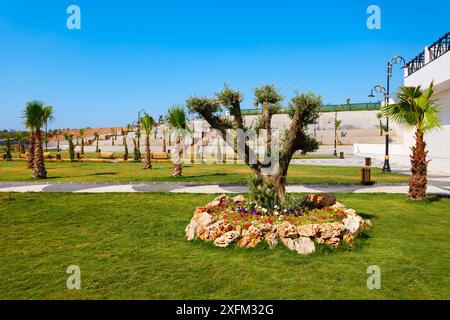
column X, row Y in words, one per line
column 301, row 238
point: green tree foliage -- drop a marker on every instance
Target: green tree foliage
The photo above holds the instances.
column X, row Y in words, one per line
column 303, row 110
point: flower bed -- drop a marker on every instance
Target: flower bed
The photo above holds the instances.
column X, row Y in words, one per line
column 320, row 219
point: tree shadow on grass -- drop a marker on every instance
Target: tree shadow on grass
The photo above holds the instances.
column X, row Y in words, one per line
column 103, row 174
column 206, row 175
column 435, row 198
column 367, row 215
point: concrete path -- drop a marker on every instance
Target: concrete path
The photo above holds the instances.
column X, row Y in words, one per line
column 201, row 188
column 435, row 178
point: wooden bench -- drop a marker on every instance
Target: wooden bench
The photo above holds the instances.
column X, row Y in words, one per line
column 106, row 155
column 160, row 156
column 23, row 156
column 47, row 155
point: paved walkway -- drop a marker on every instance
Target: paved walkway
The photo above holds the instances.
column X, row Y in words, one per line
column 200, row 188
column 435, row 178
column 439, row 183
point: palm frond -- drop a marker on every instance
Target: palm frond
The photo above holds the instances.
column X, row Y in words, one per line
column 147, row 122
column 415, row 107
column 33, row 115
column 176, row 117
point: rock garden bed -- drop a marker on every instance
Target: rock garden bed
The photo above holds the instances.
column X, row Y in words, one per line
column 320, row 219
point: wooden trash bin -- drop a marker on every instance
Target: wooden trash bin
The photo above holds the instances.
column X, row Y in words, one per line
column 366, row 176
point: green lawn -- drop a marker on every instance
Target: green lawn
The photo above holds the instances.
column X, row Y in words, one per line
column 220, row 173
column 132, row 246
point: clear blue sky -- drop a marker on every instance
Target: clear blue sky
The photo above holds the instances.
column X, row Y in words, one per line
column 135, row 54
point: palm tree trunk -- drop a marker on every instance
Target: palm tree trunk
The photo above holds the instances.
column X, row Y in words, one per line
column 46, row 136
column 177, row 165
column 267, row 120
column 164, row 143
column 82, row 145
column 148, row 160
column 31, row 152
column 419, row 165
column 39, row 171
column 139, row 148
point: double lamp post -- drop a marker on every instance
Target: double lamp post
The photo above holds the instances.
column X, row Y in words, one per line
column 386, row 92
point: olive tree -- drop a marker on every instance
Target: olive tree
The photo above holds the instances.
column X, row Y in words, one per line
column 303, row 110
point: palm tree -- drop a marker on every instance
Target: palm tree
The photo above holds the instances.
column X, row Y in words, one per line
column 28, row 124
column 81, row 134
column 416, row 108
column 137, row 144
column 113, row 135
column 147, row 122
column 379, row 117
column 8, row 156
column 164, row 132
column 36, row 115
column 96, row 137
column 337, row 126
column 124, row 142
column 48, row 115
column 176, row 118
column 20, row 136
column 69, row 138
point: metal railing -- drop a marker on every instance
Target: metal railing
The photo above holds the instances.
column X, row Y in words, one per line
column 440, row 47
column 416, row 64
column 369, row 106
column 435, row 50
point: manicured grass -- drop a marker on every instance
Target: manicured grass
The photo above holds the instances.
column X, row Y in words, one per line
column 314, row 156
column 87, row 155
column 132, row 246
column 119, row 155
column 208, row 173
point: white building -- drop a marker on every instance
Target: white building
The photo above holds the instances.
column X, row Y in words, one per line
column 433, row 64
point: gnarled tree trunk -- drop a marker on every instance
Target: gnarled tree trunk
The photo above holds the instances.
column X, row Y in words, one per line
column 39, row 171
column 31, row 151
column 148, row 159
column 267, row 120
column 419, row 165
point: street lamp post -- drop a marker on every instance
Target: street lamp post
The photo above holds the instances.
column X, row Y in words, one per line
column 386, row 91
column 335, row 133
column 380, row 89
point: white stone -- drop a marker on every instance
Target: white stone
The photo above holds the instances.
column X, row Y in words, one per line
column 338, row 205
column 239, row 199
column 191, row 230
column 226, row 239
column 302, row 245
column 203, row 218
column 353, row 224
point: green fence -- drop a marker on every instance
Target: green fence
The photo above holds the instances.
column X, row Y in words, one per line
column 327, row 108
